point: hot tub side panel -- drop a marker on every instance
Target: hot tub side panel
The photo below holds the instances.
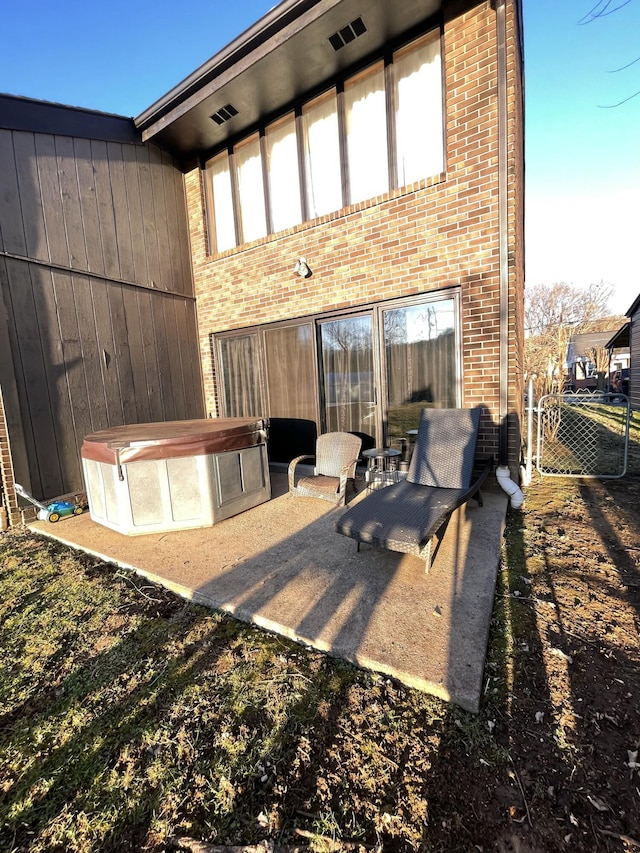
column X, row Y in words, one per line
column 178, row 493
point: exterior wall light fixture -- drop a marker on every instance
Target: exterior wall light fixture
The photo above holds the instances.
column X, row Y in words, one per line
column 302, row 268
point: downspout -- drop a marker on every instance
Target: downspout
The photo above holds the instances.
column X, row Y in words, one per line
column 503, row 474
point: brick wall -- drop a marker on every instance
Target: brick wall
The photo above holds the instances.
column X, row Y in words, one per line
column 438, row 234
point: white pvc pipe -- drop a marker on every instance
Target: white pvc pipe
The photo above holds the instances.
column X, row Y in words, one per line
column 503, row 476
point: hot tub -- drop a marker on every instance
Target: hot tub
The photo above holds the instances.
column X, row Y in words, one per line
column 149, row 478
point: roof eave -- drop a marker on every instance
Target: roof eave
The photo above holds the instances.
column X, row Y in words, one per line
column 250, row 42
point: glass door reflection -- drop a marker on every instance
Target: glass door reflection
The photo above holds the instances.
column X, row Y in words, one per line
column 421, row 365
column 348, row 378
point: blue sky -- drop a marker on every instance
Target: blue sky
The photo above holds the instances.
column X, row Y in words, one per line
column 582, row 158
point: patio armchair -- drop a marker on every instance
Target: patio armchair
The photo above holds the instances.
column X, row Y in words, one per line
column 442, row 476
column 336, row 456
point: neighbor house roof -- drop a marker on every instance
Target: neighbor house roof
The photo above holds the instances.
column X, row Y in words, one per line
column 621, row 338
column 634, row 306
column 287, row 54
column 580, row 345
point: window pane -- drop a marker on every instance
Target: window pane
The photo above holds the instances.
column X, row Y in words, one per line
column 366, row 120
column 420, row 352
column 250, row 189
column 290, row 355
column 222, row 198
column 347, row 364
column 284, row 176
column 239, row 357
column 291, row 378
column 418, row 104
column 322, row 156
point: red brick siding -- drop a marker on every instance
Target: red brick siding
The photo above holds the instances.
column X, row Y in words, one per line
column 7, row 491
column 440, row 233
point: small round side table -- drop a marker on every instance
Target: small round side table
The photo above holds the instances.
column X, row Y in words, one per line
column 382, row 466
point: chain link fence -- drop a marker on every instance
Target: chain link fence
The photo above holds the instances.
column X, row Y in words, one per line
column 582, row 435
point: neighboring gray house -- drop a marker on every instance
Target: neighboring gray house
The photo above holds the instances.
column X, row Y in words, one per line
column 585, row 355
column 627, row 338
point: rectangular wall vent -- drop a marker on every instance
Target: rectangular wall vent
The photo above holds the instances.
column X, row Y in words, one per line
column 347, row 34
column 224, row 114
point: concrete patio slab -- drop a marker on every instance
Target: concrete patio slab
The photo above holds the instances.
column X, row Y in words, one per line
column 283, row 567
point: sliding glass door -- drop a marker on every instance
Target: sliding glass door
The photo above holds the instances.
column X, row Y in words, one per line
column 369, row 372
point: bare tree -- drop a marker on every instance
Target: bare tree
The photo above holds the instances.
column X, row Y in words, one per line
column 552, row 314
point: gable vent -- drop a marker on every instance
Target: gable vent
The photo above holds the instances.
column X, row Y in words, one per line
column 224, row 114
column 347, row 34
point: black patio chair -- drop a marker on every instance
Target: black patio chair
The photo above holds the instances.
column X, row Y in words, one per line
column 443, row 475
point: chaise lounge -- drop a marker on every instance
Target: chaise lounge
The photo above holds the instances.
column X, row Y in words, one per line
column 443, row 475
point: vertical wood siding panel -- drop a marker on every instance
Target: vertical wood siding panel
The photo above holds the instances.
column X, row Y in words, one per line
column 189, row 359
column 107, row 351
column 91, row 353
column 137, row 354
column 71, row 209
column 73, row 356
column 178, row 282
column 134, row 205
column 122, row 352
column 106, row 217
column 184, row 238
column 150, row 237
column 12, row 238
column 151, row 367
column 28, row 471
column 44, row 463
column 160, row 219
column 158, row 308
column 89, row 205
column 178, row 230
column 121, row 210
column 30, row 198
column 175, row 357
column 63, row 441
column 51, row 199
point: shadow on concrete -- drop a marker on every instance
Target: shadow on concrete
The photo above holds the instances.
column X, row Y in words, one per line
column 283, row 567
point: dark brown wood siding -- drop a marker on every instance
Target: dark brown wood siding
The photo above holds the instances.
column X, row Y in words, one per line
column 96, row 289
column 634, row 360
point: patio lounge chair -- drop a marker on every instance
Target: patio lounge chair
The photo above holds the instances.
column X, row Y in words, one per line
column 406, row 515
column 336, row 457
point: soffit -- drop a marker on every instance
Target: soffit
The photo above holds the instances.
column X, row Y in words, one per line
column 285, row 55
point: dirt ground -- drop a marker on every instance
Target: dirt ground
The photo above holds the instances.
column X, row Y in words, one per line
column 571, row 721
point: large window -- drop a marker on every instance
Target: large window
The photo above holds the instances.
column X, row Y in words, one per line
column 283, row 172
column 250, row 189
column 221, row 202
column 368, row 372
column 322, row 155
column 418, row 107
column 366, row 132
column 382, row 127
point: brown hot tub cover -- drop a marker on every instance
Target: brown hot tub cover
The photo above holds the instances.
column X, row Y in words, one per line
column 171, row 439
